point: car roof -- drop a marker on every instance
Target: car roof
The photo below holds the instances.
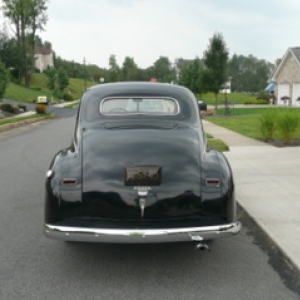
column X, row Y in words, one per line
column 185, row 97
column 140, row 88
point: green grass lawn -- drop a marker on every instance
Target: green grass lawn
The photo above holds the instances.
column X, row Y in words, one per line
column 246, row 111
column 235, row 98
column 20, row 93
column 246, row 122
column 39, row 88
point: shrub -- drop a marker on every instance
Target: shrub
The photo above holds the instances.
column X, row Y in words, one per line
column 257, row 102
column 288, row 122
column 9, row 108
column 41, row 108
column 262, row 95
column 268, row 124
column 3, row 80
column 68, row 97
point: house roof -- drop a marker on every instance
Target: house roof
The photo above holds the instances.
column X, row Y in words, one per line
column 295, row 52
column 44, row 51
column 180, row 62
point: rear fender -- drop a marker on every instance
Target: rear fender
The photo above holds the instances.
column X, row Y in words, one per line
column 63, row 187
column 218, row 198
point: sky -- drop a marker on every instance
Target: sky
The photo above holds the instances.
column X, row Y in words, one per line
column 148, row 29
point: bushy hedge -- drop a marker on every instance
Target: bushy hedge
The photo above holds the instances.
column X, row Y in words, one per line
column 279, row 123
column 288, row 123
column 268, row 124
column 257, row 102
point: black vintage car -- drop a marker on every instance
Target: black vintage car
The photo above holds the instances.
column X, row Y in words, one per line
column 139, row 171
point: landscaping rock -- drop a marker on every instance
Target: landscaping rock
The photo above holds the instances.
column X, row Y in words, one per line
column 208, row 113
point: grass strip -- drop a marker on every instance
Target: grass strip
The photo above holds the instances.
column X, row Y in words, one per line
column 16, row 120
column 217, row 144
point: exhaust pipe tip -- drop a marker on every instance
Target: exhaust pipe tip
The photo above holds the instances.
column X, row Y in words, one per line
column 202, row 246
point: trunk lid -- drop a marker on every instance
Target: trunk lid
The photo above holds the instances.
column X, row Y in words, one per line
column 141, row 174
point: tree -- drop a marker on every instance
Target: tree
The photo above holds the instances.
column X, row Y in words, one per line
column 47, row 45
column 39, row 43
column 58, row 80
column 129, row 69
column 114, row 69
column 51, row 82
column 191, row 76
column 8, row 50
column 63, row 80
column 28, row 16
column 3, row 80
column 249, row 73
column 163, row 71
column 96, row 73
column 215, row 60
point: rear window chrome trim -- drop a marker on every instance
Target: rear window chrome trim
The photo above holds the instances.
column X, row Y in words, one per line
column 140, row 113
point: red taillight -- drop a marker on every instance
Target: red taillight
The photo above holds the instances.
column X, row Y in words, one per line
column 212, row 182
column 69, row 181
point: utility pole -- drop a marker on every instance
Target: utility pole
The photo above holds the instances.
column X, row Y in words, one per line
column 84, row 74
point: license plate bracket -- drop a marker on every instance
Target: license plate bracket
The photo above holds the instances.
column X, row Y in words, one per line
column 142, row 175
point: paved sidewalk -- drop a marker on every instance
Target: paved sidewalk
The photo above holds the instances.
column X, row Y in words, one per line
column 25, row 114
column 266, row 180
column 65, row 103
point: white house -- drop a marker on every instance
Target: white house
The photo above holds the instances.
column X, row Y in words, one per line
column 44, row 58
column 287, row 77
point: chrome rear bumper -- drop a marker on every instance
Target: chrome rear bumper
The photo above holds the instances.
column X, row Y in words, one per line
column 128, row 236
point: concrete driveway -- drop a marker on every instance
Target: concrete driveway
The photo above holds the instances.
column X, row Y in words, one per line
column 266, row 180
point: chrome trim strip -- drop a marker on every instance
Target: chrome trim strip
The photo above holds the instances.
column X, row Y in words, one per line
column 163, row 235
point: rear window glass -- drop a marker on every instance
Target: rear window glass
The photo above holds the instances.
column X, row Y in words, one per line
column 149, row 106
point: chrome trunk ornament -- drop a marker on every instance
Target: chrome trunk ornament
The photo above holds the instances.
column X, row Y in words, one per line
column 142, row 202
column 142, row 192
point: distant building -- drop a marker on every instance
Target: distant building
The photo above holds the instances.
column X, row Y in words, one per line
column 286, row 78
column 44, row 58
column 179, row 64
column 226, row 87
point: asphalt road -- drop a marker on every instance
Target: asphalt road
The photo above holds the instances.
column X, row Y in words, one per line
column 247, row 266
